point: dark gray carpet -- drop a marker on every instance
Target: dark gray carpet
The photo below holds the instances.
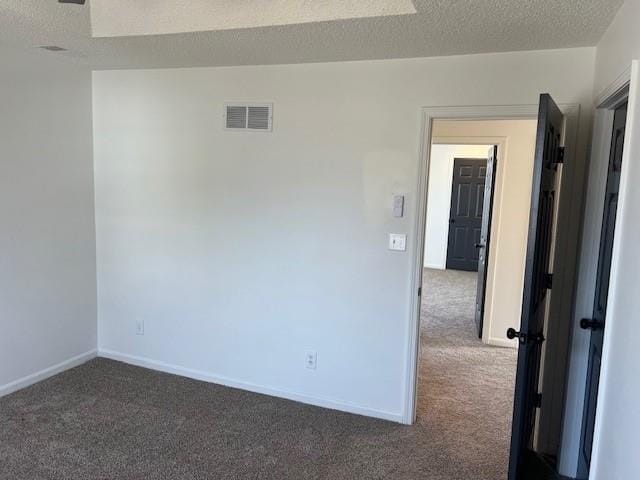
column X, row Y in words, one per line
column 108, row 420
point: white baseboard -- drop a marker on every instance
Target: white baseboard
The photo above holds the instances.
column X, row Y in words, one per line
column 435, row 266
column 46, row 373
column 251, row 387
column 502, row 342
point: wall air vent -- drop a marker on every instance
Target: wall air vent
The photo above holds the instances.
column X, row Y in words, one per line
column 256, row 117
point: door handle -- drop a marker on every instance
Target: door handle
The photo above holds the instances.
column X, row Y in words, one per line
column 524, row 337
column 480, row 245
column 590, row 324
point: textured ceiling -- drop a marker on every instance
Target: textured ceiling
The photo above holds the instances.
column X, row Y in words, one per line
column 440, row 27
column 153, row 17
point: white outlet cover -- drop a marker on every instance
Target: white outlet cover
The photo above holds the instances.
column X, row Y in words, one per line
column 139, row 326
column 311, row 360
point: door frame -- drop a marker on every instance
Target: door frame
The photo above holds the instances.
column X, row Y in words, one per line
column 564, row 274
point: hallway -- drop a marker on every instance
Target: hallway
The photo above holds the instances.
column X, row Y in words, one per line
column 465, row 388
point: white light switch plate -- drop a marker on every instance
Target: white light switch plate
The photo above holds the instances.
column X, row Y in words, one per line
column 398, row 206
column 397, row 241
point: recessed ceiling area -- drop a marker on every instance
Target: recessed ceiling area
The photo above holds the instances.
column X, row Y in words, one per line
column 115, row 18
column 438, row 28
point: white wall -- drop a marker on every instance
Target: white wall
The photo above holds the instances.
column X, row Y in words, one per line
column 619, row 45
column 243, row 251
column 510, row 222
column 47, row 240
column 615, row 453
column 439, row 198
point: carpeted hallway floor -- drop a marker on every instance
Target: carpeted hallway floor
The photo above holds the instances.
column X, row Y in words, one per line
column 465, row 387
column 107, row 420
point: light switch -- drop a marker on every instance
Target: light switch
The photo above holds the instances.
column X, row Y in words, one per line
column 397, row 241
column 398, row 206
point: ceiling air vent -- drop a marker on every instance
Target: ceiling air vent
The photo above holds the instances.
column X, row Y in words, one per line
column 248, row 116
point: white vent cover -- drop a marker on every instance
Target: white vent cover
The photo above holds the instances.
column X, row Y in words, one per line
column 248, row 116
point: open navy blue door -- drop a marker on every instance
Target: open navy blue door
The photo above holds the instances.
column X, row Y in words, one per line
column 465, row 218
column 537, row 282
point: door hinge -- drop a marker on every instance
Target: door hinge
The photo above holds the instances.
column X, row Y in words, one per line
column 419, row 291
column 547, row 279
column 538, row 400
column 560, row 157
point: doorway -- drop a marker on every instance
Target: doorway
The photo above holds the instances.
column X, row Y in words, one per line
column 459, row 236
column 466, row 381
column 563, row 271
column 454, row 214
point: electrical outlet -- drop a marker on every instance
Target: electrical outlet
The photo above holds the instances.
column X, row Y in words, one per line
column 311, row 360
column 139, row 326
